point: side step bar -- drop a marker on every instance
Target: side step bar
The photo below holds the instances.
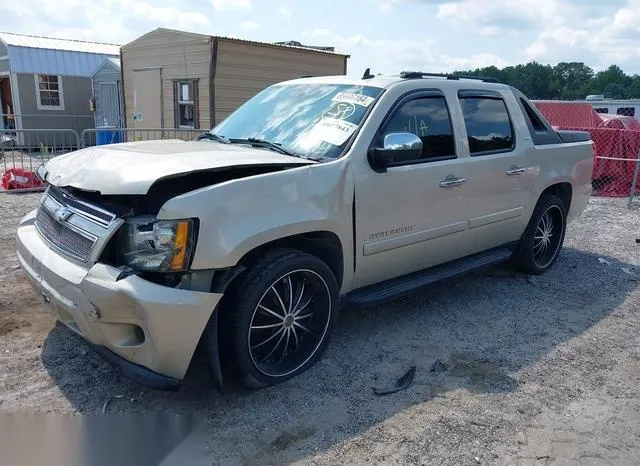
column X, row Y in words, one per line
column 397, row 287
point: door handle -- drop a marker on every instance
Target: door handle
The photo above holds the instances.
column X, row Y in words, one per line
column 515, row 171
column 452, row 182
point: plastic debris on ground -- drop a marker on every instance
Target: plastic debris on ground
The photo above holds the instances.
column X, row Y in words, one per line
column 439, row 366
column 401, row 384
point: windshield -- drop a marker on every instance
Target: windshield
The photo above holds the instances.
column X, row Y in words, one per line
column 313, row 120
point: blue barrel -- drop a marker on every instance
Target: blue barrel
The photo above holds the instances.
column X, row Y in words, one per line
column 108, row 135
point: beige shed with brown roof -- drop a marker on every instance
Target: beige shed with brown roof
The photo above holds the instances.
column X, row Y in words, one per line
column 176, row 79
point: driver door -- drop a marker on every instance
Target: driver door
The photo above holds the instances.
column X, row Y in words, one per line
column 413, row 215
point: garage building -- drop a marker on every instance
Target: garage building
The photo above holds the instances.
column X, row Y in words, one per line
column 176, row 79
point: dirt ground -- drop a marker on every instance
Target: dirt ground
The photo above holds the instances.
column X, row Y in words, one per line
column 540, row 371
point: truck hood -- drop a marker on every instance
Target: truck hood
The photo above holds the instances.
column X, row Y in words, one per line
column 132, row 167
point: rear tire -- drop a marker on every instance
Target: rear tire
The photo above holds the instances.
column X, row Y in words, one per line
column 280, row 317
column 543, row 238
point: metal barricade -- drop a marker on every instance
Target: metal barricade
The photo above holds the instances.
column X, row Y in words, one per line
column 101, row 136
column 27, row 149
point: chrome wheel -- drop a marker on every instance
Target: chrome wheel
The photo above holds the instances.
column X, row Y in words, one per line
column 289, row 323
column 548, row 236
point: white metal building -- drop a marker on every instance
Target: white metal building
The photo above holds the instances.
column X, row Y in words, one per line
column 627, row 107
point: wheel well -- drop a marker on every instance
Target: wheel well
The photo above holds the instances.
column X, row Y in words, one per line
column 563, row 190
column 324, row 245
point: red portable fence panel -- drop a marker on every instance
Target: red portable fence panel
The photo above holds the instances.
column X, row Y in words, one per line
column 616, row 143
column 569, row 114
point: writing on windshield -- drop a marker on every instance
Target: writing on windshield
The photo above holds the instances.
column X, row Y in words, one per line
column 311, row 119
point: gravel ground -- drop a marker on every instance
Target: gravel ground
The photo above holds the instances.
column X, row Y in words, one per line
column 540, row 370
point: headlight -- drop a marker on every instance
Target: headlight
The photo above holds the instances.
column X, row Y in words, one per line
column 157, row 246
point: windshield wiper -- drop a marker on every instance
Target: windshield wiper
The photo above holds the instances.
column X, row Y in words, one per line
column 264, row 143
column 214, row 137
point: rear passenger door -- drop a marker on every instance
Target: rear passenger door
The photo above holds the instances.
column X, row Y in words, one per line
column 500, row 182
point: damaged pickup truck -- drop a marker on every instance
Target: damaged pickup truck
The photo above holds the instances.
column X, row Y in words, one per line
column 316, row 193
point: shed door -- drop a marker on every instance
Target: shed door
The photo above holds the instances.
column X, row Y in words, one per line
column 147, row 99
column 108, row 104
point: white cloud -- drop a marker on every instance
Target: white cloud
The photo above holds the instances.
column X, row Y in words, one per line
column 507, row 14
column 225, row 5
column 116, row 21
column 599, row 41
column 393, row 56
column 497, row 31
column 165, row 15
column 286, row 13
column 249, row 25
column 385, row 7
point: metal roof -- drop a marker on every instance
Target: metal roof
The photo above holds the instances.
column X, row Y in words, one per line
column 37, row 42
column 46, row 55
column 112, row 63
column 115, row 61
column 287, row 44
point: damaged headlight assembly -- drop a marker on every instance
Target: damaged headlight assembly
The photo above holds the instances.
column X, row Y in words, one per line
column 151, row 245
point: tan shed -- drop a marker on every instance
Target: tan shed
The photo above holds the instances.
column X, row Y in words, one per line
column 175, row 79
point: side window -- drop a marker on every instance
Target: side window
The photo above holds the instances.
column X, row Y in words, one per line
column 533, row 117
column 488, row 125
column 428, row 118
column 626, row 111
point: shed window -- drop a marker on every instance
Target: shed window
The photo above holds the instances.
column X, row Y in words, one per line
column 49, row 92
column 186, row 103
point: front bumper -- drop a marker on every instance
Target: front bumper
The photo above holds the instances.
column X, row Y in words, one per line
column 147, row 330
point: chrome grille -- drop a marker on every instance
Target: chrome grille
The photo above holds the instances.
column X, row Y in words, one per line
column 66, row 239
column 73, row 226
column 80, row 207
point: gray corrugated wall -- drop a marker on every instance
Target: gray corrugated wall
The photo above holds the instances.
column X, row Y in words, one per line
column 4, row 65
column 76, row 115
column 3, row 50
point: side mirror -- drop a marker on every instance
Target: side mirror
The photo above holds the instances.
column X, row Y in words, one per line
column 396, row 148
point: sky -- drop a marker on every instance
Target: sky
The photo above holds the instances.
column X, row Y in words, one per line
column 387, row 35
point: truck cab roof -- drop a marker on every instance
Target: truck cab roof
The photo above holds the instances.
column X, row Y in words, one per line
column 442, row 81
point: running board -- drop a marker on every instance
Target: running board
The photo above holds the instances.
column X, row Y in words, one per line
column 397, row 287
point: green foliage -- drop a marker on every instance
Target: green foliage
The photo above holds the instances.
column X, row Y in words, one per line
column 566, row 80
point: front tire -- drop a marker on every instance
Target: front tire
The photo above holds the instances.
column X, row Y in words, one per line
column 542, row 240
column 280, row 317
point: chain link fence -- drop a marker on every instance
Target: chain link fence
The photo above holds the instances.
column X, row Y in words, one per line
column 616, row 140
column 616, row 164
column 23, row 151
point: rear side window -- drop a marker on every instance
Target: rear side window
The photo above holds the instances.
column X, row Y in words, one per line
column 489, row 128
column 533, row 117
column 428, row 118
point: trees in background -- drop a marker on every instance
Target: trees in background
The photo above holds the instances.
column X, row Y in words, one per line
column 566, row 80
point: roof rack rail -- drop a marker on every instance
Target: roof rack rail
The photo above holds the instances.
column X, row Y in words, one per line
column 420, row 74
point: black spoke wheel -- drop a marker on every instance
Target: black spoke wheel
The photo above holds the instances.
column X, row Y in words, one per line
column 289, row 323
column 546, row 240
column 280, row 317
column 542, row 240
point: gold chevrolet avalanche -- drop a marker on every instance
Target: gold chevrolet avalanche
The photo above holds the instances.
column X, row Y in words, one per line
column 315, row 194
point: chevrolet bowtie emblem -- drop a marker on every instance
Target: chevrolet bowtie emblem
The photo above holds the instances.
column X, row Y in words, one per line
column 62, row 214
